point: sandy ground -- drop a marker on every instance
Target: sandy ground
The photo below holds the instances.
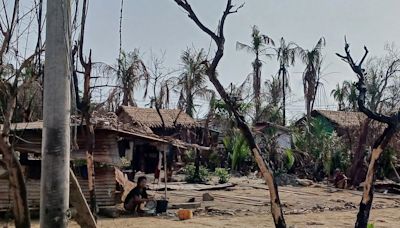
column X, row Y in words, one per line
column 246, row 205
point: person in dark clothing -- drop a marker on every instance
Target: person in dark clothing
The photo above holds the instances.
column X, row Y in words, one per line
column 137, row 197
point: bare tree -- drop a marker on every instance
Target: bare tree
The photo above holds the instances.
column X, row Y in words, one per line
column 381, row 82
column 85, row 108
column 13, row 79
column 54, row 202
column 219, row 39
column 392, row 123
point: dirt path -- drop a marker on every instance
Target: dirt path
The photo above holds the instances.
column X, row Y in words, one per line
column 247, row 205
column 380, row 217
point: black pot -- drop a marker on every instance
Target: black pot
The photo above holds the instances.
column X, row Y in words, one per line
column 162, row 206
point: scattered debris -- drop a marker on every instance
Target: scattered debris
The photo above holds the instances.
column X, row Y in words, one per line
column 304, row 182
column 193, row 205
column 217, row 211
column 208, row 197
column 192, row 187
column 314, row 224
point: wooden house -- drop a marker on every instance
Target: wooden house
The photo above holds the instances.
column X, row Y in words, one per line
column 180, row 129
column 109, row 135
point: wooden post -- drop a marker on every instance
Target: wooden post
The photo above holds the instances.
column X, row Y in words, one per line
column 165, row 173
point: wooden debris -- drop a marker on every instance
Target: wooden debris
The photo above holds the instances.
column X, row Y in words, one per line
column 84, row 216
column 193, row 187
column 185, row 205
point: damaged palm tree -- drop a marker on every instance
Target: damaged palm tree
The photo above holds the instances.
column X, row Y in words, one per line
column 392, row 123
column 219, row 39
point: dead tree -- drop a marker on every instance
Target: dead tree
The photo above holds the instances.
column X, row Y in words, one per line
column 16, row 178
column 392, row 123
column 219, row 39
column 86, row 112
column 12, row 86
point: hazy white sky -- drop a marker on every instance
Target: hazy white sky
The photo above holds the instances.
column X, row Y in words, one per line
column 161, row 25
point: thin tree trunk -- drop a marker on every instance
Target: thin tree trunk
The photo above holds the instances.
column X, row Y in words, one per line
column 355, row 171
column 283, row 96
column 265, row 168
column 219, row 38
column 380, row 144
column 17, row 185
column 368, row 192
column 90, row 164
column 257, row 87
column 86, row 112
column 54, row 202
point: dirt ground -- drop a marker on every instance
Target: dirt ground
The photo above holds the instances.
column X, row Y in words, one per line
column 247, row 205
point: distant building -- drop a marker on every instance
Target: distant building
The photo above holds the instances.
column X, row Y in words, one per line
column 348, row 126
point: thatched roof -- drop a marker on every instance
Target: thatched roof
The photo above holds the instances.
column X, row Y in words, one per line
column 342, row 118
column 150, row 118
column 107, row 121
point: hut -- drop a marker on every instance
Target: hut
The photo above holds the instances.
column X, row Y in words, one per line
column 109, row 134
column 180, row 128
column 348, row 125
column 177, row 123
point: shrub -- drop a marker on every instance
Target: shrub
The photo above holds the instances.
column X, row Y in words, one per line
column 289, row 159
column 223, row 175
column 326, row 147
column 238, row 150
column 192, row 177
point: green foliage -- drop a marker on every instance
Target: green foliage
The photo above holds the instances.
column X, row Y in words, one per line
column 223, row 175
column 323, row 144
column 214, row 160
column 289, row 159
column 237, row 148
column 79, row 162
column 370, row 225
column 191, row 177
column 190, row 156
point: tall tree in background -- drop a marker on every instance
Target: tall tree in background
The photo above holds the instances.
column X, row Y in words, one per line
column 346, row 96
column 339, row 94
column 258, row 47
column 392, row 123
column 312, row 74
column 132, row 73
column 219, row 39
column 192, row 81
column 273, row 95
column 286, row 56
column 54, row 200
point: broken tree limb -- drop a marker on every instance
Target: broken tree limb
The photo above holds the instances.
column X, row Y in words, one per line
column 84, row 217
